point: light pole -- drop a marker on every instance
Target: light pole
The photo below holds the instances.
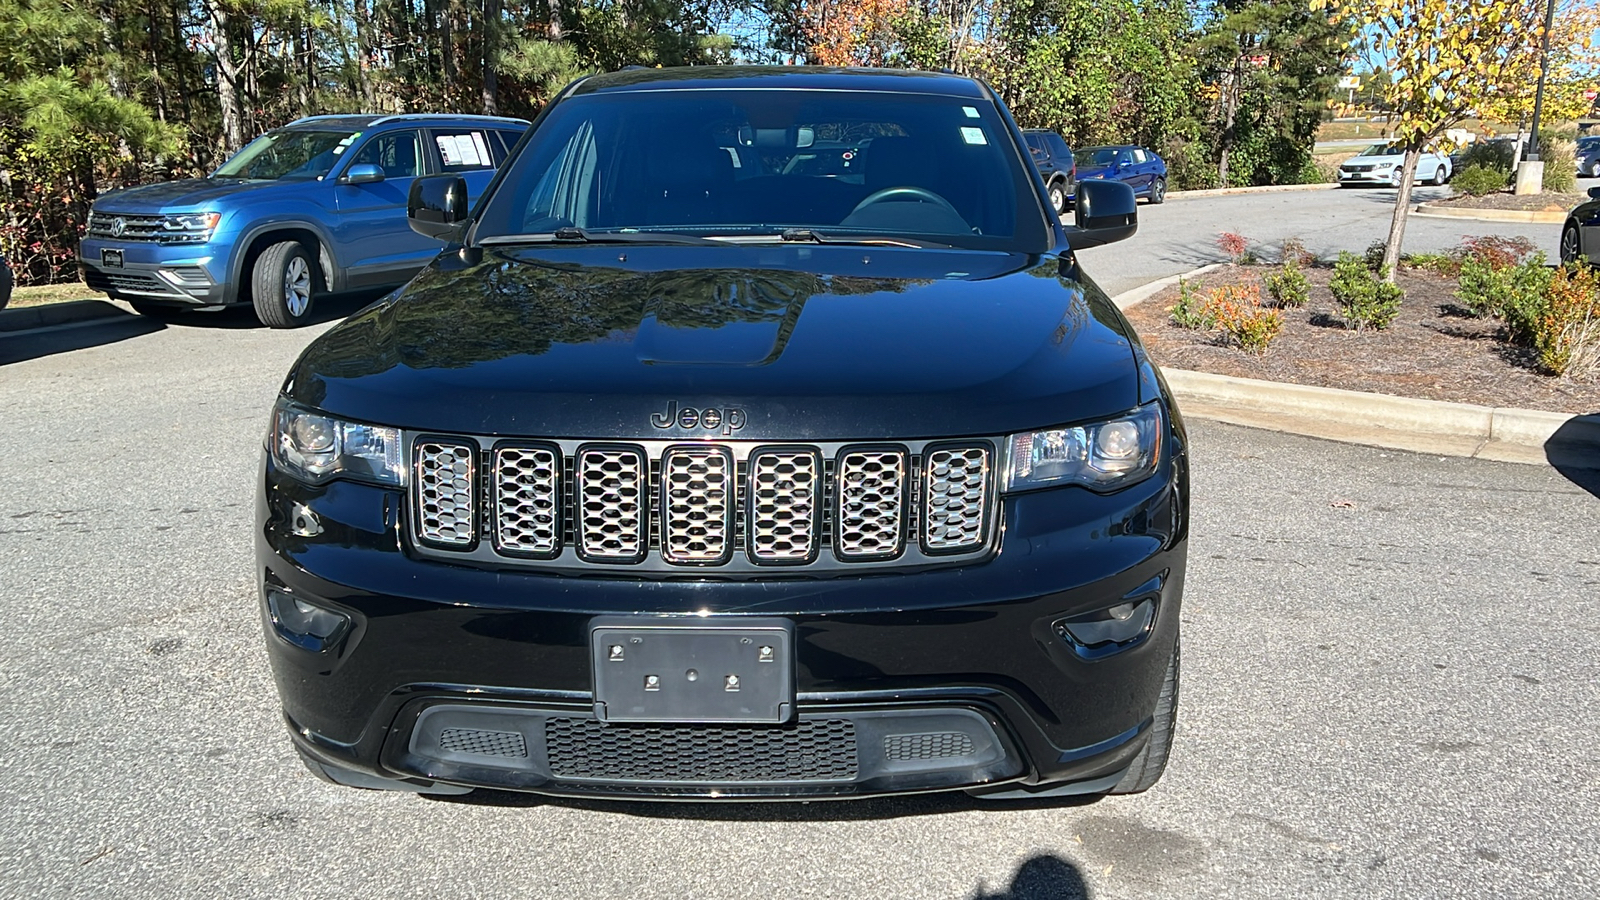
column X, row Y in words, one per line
column 1538, row 92
column 1530, row 171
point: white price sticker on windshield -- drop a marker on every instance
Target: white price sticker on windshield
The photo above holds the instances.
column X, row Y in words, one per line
column 973, row 136
column 972, row 112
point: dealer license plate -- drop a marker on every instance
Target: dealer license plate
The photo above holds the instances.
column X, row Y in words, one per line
column 111, row 259
column 664, row 670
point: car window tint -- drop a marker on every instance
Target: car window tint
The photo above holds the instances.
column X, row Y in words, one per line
column 738, row 162
column 1036, row 141
column 1058, row 145
column 395, row 153
column 463, row 150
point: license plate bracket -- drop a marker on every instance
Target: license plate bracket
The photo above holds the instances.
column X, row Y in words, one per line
column 692, row 670
column 111, row 259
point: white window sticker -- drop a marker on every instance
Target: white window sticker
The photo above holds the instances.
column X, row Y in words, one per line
column 973, row 136
column 481, row 147
column 971, row 112
column 461, row 150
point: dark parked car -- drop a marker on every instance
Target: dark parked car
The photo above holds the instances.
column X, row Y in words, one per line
column 7, row 280
column 1053, row 158
column 1580, row 234
column 1588, row 151
column 1136, row 167
column 688, row 473
column 315, row 206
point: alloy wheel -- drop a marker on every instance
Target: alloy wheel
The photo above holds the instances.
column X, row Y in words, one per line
column 297, row 286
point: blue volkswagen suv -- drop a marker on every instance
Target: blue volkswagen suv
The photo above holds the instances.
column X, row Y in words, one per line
column 317, row 206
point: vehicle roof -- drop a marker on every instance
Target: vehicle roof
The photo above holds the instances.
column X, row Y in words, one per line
column 370, row 120
column 1109, row 147
column 782, row 77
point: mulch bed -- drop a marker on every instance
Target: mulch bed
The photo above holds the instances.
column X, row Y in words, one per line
column 1524, row 203
column 1434, row 350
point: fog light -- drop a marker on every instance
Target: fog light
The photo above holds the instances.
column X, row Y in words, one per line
column 305, row 624
column 1110, row 630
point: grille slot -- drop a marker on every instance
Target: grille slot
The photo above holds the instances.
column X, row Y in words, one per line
column 611, row 512
column 784, row 502
column 931, row 745
column 955, row 498
column 483, row 743
column 443, row 498
column 696, row 505
column 810, row 750
column 527, row 501
column 870, row 516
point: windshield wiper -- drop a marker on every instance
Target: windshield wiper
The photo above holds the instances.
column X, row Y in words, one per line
column 808, row 235
column 571, row 234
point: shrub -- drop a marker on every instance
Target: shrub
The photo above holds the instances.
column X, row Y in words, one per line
column 1513, row 292
column 1475, row 181
column 1288, row 285
column 1560, row 164
column 1237, row 246
column 1489, row 155
column 1567, row 335
column 1499, row 252
column 1191, row 311
column 1294, row 250
column 1437, row 263
column 1365, row 300
column 1243, row 320
column 1374, row 255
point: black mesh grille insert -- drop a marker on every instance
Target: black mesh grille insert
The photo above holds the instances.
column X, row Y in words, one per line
column 485, row 743
column 821, row 750
column 933, row 745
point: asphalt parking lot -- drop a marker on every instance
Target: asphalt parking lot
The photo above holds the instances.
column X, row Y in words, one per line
column 1391, row 687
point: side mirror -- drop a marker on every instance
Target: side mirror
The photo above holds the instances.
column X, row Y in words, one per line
column 1594, row 193
column 363, row 173
column 1104, row 212
column 437, row 207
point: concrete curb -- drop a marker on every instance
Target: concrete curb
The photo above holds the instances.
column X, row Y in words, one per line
column 1140, row 294
column 1540, row 217
column 1266, row 189
column 1380, row 420
column 28, row 318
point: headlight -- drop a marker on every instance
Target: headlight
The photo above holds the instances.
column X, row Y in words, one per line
column 1103, row 456
column 316, row 447
column 189, row 228
column 1382, row 167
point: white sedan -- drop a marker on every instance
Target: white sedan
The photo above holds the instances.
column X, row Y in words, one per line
column 1381, row 164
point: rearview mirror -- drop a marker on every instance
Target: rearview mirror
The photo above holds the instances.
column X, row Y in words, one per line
column 363, row 173
column 1104, row 212
column 437, row 207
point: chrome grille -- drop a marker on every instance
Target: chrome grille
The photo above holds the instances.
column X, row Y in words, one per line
column 783, row 505
column 527, row 513
column 738, row 507
column 871, row 509
column 138, row 228
column 696, row 504
column 954, row 508
column 444, row 505
column 611, row 514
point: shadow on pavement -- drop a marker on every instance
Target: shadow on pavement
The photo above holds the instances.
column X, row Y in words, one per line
column 845, row 810
column 1044, row 877
column 326, row 308
column 1574, row 451
column 25, row 345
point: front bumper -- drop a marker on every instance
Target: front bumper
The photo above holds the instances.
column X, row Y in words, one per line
column 183, row 274
column 1388, row 178
column 941, row 679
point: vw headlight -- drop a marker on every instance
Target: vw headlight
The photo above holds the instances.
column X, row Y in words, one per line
column 1103, row 456
column 317, row 447
column 190, row 228
column 1383, row 167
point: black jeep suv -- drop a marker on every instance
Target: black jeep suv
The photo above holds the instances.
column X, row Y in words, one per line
column 684, row 472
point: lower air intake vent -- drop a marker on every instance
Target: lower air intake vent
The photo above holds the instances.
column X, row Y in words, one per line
column 819, row 750
column 934, row 745
column 483, row 743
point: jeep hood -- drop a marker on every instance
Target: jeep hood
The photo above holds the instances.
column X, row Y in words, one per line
column 807, row 342
column 185, row 195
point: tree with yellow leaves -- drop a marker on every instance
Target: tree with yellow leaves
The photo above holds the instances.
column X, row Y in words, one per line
column 1450, row 59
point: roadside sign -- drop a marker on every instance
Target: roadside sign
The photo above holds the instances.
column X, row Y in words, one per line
column 1349, row 83
column 1590, row 95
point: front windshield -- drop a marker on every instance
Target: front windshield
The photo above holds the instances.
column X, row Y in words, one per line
column 753, row 164
column 288, row 154
column 1383, row 150
column 1097, row 156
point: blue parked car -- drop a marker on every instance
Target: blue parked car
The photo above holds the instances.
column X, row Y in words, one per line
column 1136, row 167
column 317, row 206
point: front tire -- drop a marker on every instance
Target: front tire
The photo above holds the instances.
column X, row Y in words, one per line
column 1158, row 191
column 282, row 283
column 1146, row 768
column 1570, row 245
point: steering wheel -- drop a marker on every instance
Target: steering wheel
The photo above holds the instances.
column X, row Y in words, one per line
column 896, row 193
